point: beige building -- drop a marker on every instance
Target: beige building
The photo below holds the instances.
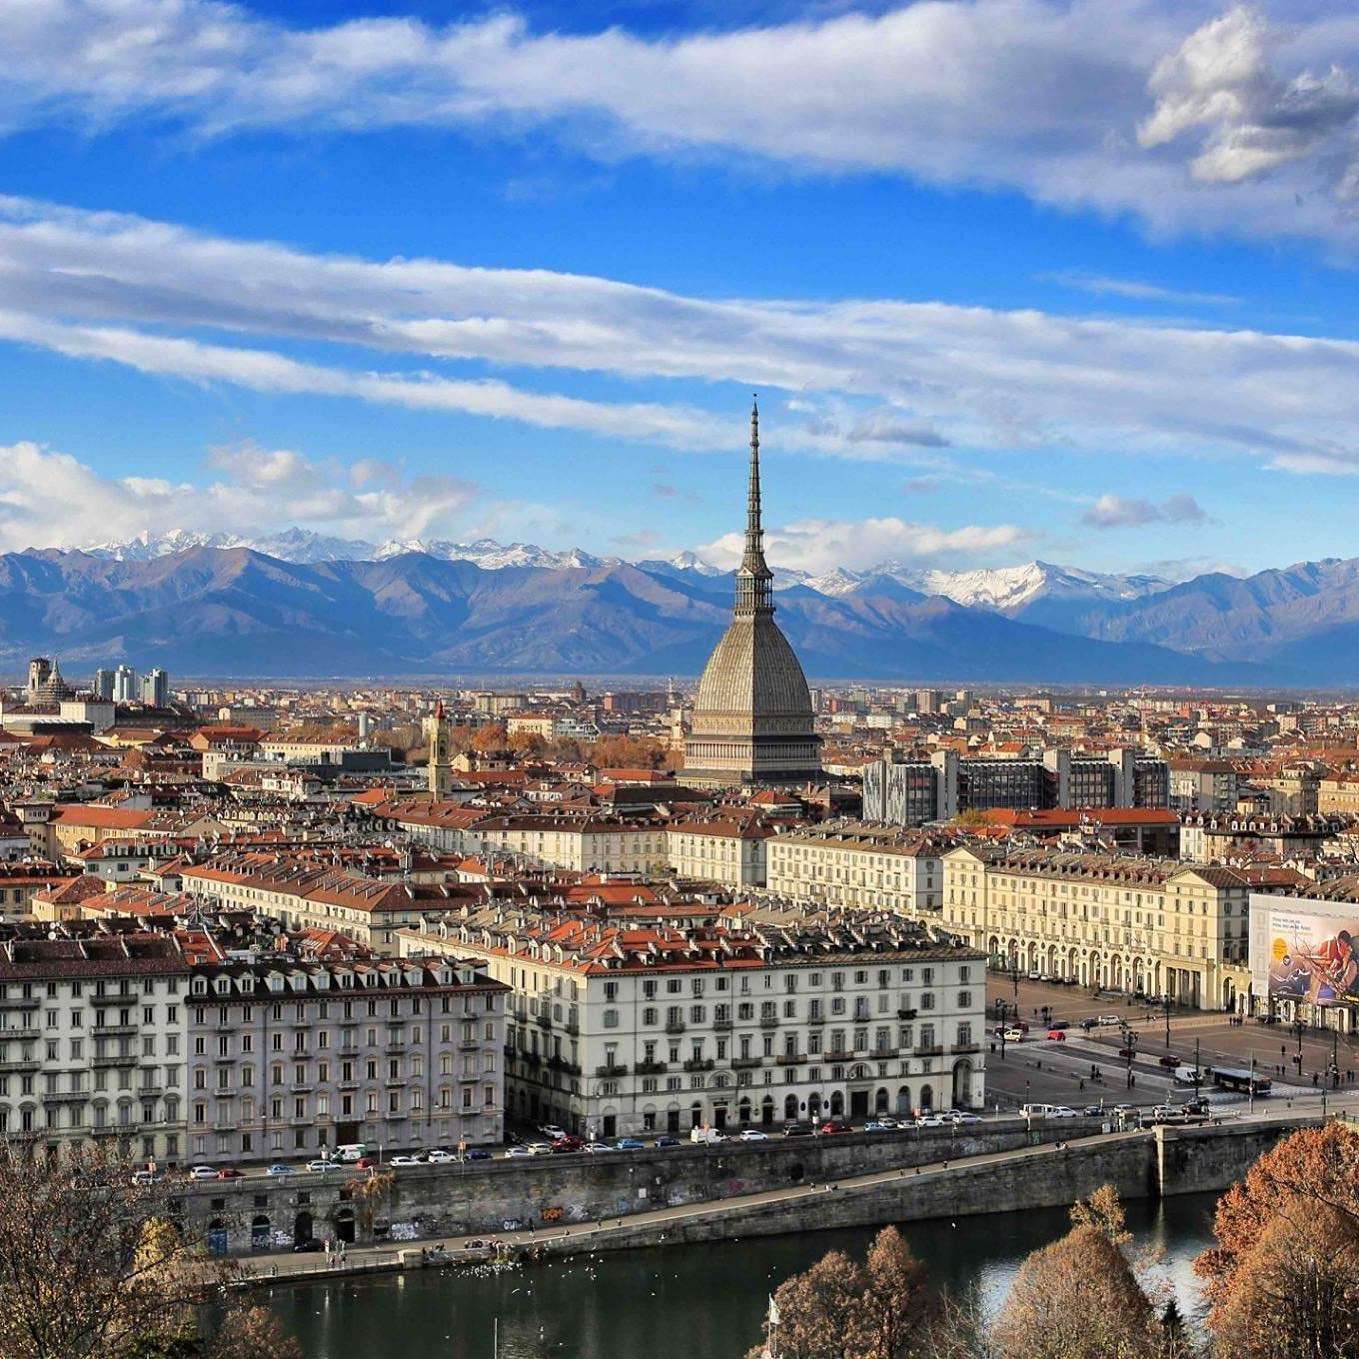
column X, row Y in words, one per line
column 781, row 1015
column 724, row 849
column 853, row 865
column 1127, row 923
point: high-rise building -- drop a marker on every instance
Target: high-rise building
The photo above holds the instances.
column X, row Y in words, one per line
column 125, row 684
column 103, row 685
column 753, row 720
column 155, row 688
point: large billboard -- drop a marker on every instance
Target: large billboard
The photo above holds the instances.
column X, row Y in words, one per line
column 1307, row 954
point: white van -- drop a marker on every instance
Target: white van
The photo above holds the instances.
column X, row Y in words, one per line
column 1188, row 1075
column 1036, row 1110
column 351, row 1151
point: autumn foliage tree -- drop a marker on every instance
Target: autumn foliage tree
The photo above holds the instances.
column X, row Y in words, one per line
column 1283, row 1274
column 93, row 1265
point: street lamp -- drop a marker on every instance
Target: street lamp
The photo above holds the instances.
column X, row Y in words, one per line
column 1129, row 1046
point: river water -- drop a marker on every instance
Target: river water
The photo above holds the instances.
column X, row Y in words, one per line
column 680, row 1302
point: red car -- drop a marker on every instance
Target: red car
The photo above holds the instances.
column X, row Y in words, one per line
column 835, row 1126
column 568, row 1143
column 229, row 1173
column 1057, row 1035
column 365, row 1163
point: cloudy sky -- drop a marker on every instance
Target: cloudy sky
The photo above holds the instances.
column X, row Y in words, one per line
column 1012, row 278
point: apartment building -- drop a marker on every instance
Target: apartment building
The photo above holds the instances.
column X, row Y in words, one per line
column 859, row 866
column 730, row 850
column 1128, row 923
column 305, row 895
column 784, row 1014
column 288, row 1057
column 93, row 1034
column 1204, row 785
column 1206, row 836
column 587, row 842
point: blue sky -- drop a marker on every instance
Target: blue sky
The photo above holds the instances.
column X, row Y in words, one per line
column 1013, row 279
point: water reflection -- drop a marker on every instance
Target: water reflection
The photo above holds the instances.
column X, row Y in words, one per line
column 680, row 1302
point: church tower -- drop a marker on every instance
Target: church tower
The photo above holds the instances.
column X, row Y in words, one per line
column 436, row 741
column 753, row 721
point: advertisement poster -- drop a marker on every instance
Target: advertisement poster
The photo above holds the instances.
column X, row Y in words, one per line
column 1312, row 958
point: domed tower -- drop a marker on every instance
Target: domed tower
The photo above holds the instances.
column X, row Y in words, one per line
column 752, row 719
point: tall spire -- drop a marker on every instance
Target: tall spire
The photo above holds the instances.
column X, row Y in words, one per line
column 754, row 590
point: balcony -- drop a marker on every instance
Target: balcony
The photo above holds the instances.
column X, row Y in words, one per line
column 837, row 1055
column 699, row 1064
column 674, row 1026
column 28, row 1064
column 20, row 1003
column 570, row 1068
column 608, row 1071
column 882, row 1054
column 960, row 1048
column 907, row 1014
column 722, row 1023
column 469, row 1045
column 543, row 1021
column 769, row 1021
column 651, row 1068
column 114, row 1030
column 932, row 1050
column 746, row 1063
column 791, row 1058
column 116, row 1059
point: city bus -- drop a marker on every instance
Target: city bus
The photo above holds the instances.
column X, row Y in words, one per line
column 1239, row 1079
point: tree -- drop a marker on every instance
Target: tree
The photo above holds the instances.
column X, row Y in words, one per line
column 898, row 1305
column 250, row 1333
column 1077, row 1299
column 1310, row 1176
column 92, row 1264
column 488, row 738
column 818, row 1309
column 1103, row 1210
column 1294, row 1294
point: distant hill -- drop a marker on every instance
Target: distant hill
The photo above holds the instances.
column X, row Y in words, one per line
column 233, row 610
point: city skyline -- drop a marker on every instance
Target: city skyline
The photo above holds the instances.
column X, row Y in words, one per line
column 419, row 296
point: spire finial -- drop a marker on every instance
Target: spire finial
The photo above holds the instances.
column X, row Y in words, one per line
column 754, row 593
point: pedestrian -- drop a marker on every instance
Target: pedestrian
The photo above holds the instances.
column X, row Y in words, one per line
column 1082, row 1084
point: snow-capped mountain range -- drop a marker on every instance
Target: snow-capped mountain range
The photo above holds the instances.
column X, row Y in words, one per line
column 1006, row 589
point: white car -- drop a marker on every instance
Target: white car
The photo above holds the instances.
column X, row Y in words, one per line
column 552, row 1132
column 441, row 1158
column 1061, row 1111
column 597, row 1146
column 145, row 1177
column 753, row 1135
column 540, row 1148
column 319, row 1167
column 1014, row 1035
column 202, row 1172
column 1109, row 1021
column 961, row 1117
column 405, row 1161
column 886, row 1121
column 930, row 1121
column 518, row 1151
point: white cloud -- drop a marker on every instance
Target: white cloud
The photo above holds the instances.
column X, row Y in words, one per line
column 1101, row 285
column 1044, row 96
column 51, row 499
column 1116, row 511
column 866, row 379
column 819, row 545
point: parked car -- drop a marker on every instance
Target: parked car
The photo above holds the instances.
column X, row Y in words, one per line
column 1062, row 1111
column 439, row 1157
column 1056, row 1036
column 365, row 1163
column 552, row 1132
column 1059, row 1024
column 478, row 1154
column 627, row 1144
column 230, row 1173
column 521, row 1149
column 404, row 1161
column 145, row 1177
column 321, row 1166
column 669, row 1141
column 604, row 1146
column 279, row 1169
column 753, row 1135
column 835, row 1125
column 1093, row 1110
column 875, row 1127
column 797, row 1130
column 930, row 1121
column 202, row 1172
column 307, row 1246
column 962, row 1116
column 568, row 1144
column 1109, row 1021
column 887, row 1121
column 540, row 1148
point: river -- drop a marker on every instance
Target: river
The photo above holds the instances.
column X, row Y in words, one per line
column 677, row 1302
